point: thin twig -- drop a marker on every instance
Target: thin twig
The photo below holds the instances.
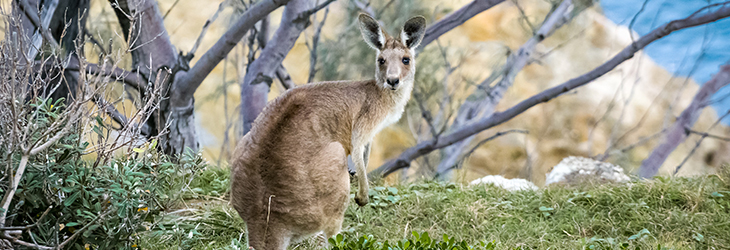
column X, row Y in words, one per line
column 708, row 135
column 22, row 243
column 495, row 136
column 26, row 227
column 697, row 144
column 313, row 47
column 35, row 20
column 170, row 9
column 205, row 28
column 80, row 231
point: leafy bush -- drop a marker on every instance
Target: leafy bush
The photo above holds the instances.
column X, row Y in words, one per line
column 90, row 205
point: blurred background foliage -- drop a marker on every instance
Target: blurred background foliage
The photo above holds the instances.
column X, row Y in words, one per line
column 617, row 116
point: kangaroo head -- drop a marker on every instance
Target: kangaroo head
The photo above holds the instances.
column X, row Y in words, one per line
column 395, row 62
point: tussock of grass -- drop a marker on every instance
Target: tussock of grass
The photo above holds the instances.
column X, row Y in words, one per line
column 674, row 213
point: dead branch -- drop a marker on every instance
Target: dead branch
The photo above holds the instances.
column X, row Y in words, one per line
column 708, row 135
column 703, row 136
column 455, row 19
column 205, row 28
column 309, row 12
column 16, row 241
column 284, row 77
column 28, row 226
column 486, row 101
column 260, row 72
column 365, row 7
column 35, row 20
column 404, row 159
column 130, row 78
column 84, row 228
column 677, row 132
column 195, row 76
column 488, row 139
column 313, row 46
column 110, row 110
column 170, row 9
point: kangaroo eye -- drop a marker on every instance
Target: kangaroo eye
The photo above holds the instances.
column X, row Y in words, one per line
column 406, row 60
column 381, row 61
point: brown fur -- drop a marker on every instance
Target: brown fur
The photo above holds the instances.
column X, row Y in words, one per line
column 289, row 176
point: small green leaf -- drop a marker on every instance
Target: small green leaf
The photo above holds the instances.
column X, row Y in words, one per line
column 70, row 200
column 545, row 209
column 698, row 237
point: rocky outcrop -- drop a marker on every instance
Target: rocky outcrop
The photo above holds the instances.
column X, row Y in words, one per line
column 574, row 169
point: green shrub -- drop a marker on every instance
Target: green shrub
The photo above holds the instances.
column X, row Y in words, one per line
column 94, row 205
column 110, row 203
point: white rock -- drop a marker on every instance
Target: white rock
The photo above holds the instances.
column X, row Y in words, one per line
column 575, row 166
column 508, row 184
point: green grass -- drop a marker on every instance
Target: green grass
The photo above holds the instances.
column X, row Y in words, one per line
column 671, row 213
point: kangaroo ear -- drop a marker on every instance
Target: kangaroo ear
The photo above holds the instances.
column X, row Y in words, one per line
column 371, row 31
column 413, row 32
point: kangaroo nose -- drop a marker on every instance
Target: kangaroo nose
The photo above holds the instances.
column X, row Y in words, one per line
column 392, row 82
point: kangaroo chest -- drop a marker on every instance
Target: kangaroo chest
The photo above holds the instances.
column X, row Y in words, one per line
column 392, row 116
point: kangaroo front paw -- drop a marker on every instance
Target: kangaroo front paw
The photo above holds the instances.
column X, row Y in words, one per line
column 362, row 200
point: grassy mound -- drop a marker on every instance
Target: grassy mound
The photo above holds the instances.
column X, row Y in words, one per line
column 664, row 213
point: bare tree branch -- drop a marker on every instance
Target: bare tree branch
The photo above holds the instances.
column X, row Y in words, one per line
column 495, row 136
column 702, row 138
column 14, row 240
column 455, row 19
column 170, row 9
column 205, row 27
column 284, row 77
column 313, row 46
column 260, row 73
column 35, row 20
column 26, row 227
column 109, row 109
column 403, row 160
column 677, row 133
column 486, row 97
column 708, row 135
column 84, row 228
column 365, row 7
column 195, row 76
column 130, row 78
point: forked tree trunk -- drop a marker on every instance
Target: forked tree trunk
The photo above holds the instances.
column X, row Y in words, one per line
column 260, row 74
column 155, row 58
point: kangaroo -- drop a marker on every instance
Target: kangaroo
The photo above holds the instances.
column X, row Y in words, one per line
column 289, row 177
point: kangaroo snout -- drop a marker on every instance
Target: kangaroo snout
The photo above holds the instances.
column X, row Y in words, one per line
column 392, row 82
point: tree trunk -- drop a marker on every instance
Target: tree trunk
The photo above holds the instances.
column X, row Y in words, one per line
column 260, row 73
column 155, row 58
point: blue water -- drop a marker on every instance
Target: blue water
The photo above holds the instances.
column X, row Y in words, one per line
column 695, row 52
